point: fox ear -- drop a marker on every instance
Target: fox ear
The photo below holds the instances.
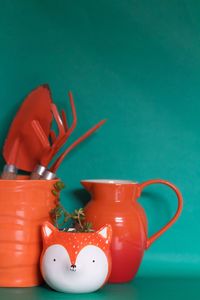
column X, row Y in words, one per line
column 47, row 230
column 106, row 232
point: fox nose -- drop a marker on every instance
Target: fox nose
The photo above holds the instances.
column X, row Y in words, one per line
column 73, row 268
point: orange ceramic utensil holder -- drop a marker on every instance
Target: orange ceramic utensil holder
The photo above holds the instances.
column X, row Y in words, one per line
column 24, row 206
column 115, row 202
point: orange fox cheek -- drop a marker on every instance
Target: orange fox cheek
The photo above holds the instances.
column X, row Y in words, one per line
column 75, row 243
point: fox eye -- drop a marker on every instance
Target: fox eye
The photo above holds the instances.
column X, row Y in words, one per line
column 93, row 261
column 54, row 259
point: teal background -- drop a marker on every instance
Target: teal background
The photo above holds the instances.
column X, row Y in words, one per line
column 136, row 63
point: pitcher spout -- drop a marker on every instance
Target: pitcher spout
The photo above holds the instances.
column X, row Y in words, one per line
column 87, row 185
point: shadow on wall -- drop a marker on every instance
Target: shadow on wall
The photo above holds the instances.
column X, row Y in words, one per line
column 81, row 195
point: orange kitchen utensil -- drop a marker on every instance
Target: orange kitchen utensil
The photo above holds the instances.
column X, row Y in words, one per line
column 50, row 149
column 61, row 139
column 58, row 120
column 51, row 174
column 57, row 141
column 39, row 170
column 40, row 134
column 22, row 148
column 10, row 170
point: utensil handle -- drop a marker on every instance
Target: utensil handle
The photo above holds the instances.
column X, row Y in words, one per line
column 59, row 160
column 37, row 172
column 178, row 211
column 48, row 175
column 9, row 172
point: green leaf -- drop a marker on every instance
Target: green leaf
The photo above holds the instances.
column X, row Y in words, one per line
column 55, row 193
column 60, row 216
column 59, row 185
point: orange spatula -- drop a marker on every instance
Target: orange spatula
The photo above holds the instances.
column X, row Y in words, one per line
column 22, row 148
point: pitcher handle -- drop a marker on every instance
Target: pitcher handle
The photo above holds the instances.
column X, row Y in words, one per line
column 174, row 218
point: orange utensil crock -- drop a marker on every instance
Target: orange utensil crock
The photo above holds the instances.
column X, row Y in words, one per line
column 115, row 202
column 24, row 206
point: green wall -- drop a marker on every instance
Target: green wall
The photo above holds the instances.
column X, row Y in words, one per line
column 136, row 63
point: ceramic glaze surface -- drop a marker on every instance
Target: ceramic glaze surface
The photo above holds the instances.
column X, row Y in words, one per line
column 75, row 262
column 24, row 206
column 115, row 202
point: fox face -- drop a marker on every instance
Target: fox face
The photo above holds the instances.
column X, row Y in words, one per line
column 75, row 262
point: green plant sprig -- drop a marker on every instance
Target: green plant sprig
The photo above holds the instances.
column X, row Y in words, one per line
column 61, row 217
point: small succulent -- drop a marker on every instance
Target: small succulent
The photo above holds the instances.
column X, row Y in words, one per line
column 62, row 219
column 59, row 186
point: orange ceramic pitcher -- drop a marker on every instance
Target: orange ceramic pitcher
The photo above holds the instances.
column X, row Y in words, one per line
column 115, row 202
column 24, row 206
